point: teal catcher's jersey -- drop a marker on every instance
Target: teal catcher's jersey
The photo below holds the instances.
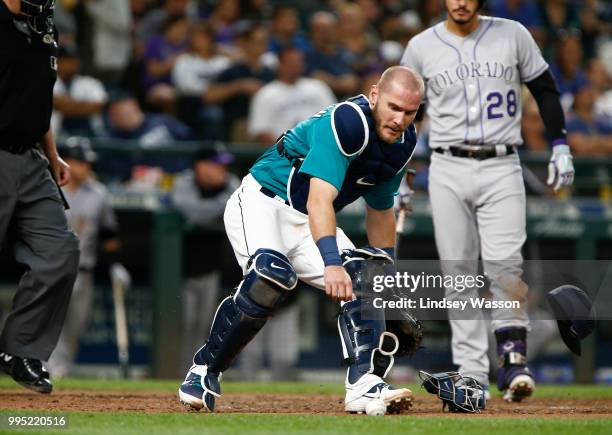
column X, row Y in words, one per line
column 339, row 144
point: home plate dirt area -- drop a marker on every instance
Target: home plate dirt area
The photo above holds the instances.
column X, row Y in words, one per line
column 282, row 403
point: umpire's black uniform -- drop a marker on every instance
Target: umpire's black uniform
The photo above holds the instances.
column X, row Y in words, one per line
column 32, row 219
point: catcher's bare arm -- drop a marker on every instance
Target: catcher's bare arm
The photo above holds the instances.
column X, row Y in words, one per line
column 322, row 220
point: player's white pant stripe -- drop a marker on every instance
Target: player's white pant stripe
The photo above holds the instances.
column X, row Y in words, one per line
column 246, row 243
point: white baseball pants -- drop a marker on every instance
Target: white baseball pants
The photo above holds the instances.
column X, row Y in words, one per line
column 254, row 220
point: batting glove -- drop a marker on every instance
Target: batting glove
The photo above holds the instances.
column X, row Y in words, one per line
column 560, row 167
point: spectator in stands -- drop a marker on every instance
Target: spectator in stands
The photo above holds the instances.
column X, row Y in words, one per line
column 111, row 39
column 372, row 9
column 191, row 76
column 78, row 100
column 568, row 70
column 194, row 70
column 152, row 24
column 160, row 56
column 601, row 80
column 326, row 60
column 358, row 41
column 525, row 12
column 255, row 10
column 596, row 21
column 223, row 19
column 126, row 120
column 430, row 13
column 588, row 133
column 557, row 17
column 285, row 30
column 281, row 104
column 200, row 194
column 234, row 87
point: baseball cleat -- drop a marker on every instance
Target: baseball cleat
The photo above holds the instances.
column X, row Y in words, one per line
column 28, row 372
column 199, row 389
column 521, row 387
column 371, row 387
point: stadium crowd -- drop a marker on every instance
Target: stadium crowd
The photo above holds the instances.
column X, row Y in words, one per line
column 158, row 71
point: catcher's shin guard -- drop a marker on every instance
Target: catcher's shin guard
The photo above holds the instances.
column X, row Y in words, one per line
column 513, row 376
column 367, row 343
column 369, row 351
column 269, row 278
column 367, row 348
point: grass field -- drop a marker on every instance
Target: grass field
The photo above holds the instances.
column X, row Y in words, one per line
column 178, row 422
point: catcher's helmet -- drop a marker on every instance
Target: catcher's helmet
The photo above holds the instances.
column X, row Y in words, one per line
column 575, row 315
column 459, row 393
column 78, row 148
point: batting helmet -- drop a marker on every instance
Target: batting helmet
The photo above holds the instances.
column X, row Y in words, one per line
column 575, row 315
column 78, row 148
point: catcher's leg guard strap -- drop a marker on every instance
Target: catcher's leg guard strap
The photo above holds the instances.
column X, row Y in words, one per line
column 269, row 279
column 366, row 346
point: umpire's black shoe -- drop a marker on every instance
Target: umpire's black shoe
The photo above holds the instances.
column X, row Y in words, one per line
column 28, row 372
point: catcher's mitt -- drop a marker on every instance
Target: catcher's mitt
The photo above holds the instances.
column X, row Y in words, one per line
column 409, row 332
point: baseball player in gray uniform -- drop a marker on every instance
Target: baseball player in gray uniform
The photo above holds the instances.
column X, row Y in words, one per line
column 474, row 67
column 93, row 220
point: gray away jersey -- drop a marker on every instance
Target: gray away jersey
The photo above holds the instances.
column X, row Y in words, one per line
column 89, row 212
column 473, row 84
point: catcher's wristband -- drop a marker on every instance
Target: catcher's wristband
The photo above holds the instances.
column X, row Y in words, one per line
column 328, row 247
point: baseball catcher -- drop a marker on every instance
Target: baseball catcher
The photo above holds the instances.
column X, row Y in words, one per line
column 281, row 223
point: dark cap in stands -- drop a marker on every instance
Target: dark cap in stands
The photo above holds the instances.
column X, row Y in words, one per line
column 119, row 95
column 218, row 155
column 77, row 148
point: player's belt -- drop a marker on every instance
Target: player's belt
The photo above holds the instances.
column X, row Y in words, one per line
column 478, row 154
column 272, row 195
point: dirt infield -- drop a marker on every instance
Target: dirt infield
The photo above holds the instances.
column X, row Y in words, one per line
column 425, row 405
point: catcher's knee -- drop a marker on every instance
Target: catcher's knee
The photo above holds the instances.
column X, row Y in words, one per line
column 269, row 279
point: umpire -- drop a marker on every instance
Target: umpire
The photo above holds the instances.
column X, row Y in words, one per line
column 32, row 217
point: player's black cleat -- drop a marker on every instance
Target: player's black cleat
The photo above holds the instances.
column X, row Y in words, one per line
column 28, row 372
